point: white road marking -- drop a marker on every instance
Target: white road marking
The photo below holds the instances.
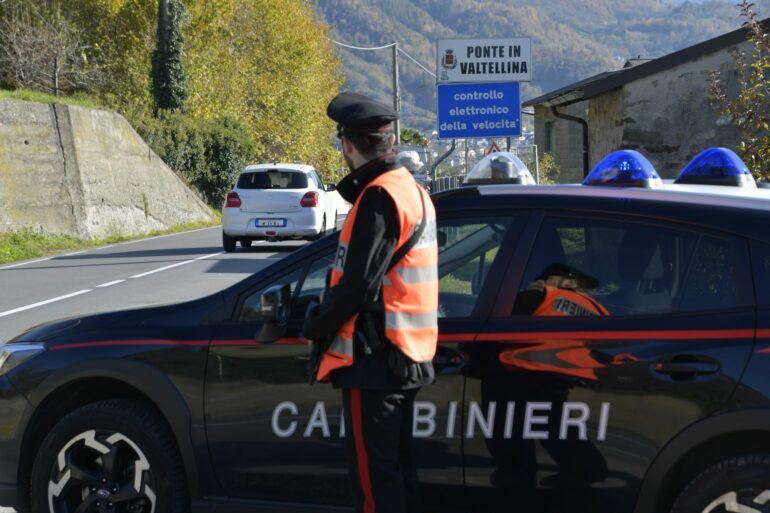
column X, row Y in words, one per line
column 209, row 256
column 167, row 235
column 104, row 247
column 165, row 268
column 25, row 263
column 84, row 291
column 41, row 303
column 142, row 275
column 110, row 283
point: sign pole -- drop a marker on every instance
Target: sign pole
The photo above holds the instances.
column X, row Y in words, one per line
column 467, row 164
column 396, row 92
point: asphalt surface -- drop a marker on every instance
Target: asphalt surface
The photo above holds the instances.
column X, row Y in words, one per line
column 132, row 274
column 157, row 270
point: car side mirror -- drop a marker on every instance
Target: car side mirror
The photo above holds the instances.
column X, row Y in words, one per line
column 331, row 187
column 276, row 305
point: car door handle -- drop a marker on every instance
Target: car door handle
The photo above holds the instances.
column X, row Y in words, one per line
column 681, row 366
column 448, row 363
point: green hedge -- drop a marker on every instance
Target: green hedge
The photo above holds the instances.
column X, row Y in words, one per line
column 207, row 154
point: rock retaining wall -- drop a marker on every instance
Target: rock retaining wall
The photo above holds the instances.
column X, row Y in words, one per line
column 85, row 172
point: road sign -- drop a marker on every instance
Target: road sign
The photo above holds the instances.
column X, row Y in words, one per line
column 493, row 148
column 484, row 60
column 467, row 111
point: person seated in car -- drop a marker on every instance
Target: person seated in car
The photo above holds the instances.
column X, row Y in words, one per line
column 557, row 292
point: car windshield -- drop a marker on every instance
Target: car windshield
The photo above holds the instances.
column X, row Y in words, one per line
column 273, row 179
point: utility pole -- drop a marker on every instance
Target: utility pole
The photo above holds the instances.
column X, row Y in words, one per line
column 396, row 92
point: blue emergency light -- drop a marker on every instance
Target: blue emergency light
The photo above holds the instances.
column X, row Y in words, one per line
column 624, row 168
column 717, row 166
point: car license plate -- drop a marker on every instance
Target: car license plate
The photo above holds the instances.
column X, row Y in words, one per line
column 271, row 222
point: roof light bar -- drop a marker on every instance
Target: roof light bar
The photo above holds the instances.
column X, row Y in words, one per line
column 624, row 168
column 717, row 166
column 499, row 167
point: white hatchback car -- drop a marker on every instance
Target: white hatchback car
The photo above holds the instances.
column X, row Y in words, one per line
column 278, row 201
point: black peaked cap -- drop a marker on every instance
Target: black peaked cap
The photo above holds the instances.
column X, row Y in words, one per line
column 358, row 112
column 588, row 282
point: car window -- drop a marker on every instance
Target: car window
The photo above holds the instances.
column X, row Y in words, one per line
column 303, row 289
column 467, row 249
column 606, row 268
column 718, row 276
column 311, row 287
column 273, row 179
column 318, row 180
column 252, row 305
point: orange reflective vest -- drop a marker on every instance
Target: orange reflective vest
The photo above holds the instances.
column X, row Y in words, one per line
column 568, row 303
column 409, row 290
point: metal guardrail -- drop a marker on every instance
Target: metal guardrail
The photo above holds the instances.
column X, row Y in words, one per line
column 444, row 183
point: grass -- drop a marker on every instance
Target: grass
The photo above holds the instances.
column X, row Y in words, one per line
column 79, row 99
column 26, row 244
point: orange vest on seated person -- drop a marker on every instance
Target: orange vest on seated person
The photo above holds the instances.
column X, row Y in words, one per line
column 568, row 303
column 409, row 290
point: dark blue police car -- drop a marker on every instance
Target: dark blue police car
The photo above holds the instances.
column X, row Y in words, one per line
column 662, row 403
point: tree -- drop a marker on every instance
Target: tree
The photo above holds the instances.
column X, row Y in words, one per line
column 267, row 63
column 45, row 50
column 549, row 170
column 169, row 84
column 412, row 137
column 749, row 110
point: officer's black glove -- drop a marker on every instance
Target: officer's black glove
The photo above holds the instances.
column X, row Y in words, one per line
column 407, row 371
column 416, row 375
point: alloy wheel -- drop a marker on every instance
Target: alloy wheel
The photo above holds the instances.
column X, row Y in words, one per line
column 100, row 471
column 749, row 500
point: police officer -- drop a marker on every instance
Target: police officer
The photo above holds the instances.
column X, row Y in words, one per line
column 379, row 317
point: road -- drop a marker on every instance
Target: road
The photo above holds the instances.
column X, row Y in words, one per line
column 132, row 274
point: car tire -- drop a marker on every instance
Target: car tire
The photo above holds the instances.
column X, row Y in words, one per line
column 117, row 453
column 738, row 484
column 228, row 243
column 245, row 243
column 322, row 231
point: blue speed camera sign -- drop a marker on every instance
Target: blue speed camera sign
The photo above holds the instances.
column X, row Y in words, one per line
column 467, row 111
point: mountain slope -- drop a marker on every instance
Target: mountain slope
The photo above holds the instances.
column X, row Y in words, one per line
column 571, row 39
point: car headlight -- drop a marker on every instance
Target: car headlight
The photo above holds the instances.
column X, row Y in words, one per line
column 12, row 355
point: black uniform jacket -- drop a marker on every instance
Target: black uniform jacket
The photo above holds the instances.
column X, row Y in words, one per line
column 372, row 243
